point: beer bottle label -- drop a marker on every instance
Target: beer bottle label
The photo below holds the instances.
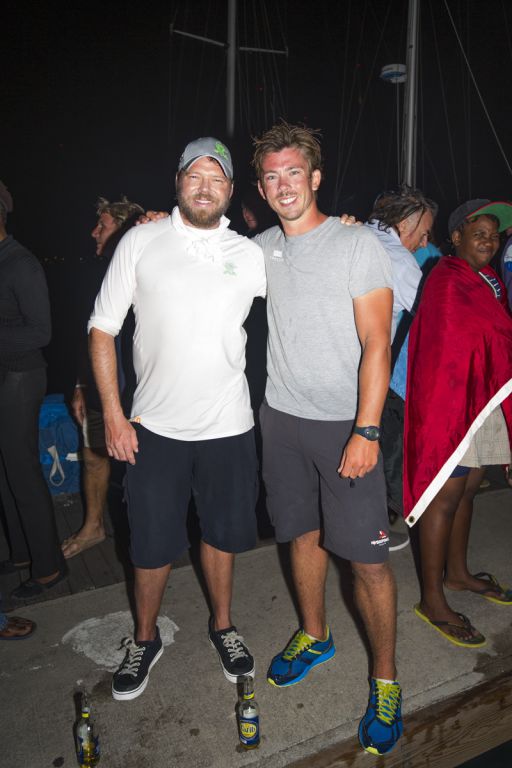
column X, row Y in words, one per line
column 249, row 731
column 88, row 751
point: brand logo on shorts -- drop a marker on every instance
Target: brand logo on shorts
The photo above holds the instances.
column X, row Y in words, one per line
column 277, row 255
column 383, row 538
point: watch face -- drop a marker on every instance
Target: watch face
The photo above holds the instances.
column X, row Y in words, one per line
column 372, row 433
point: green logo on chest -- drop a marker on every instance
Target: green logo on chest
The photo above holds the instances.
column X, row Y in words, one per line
column 229, row 268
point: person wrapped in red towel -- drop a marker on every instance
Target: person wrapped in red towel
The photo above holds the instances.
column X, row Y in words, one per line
column 458, row 416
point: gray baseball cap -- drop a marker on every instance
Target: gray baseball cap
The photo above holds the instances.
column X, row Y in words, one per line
column 207, row 147
column 5, row 198
column 479, row 207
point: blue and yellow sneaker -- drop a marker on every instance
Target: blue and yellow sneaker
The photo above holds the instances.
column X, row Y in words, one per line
column 302, row 653
column 381, row 726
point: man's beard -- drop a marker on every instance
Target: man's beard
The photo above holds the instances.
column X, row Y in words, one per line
column 203, row 219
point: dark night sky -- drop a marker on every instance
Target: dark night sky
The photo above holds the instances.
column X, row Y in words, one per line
column 99, row 98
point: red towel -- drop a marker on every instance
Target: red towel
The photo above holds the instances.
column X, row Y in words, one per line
column 459, row 370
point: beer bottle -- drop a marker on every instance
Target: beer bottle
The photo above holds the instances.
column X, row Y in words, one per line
column 87, row 744
column 248, row 717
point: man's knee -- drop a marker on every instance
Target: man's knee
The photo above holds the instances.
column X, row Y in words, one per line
column 307, row 541
column 374, row 574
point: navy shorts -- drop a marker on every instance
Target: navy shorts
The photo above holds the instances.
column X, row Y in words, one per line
column 460, row 471
column 305, row 492
column 221, row 474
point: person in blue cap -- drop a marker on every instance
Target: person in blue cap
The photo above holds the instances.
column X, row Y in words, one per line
column 191, row 281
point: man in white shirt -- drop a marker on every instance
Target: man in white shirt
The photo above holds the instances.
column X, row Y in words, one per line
column 191, row 282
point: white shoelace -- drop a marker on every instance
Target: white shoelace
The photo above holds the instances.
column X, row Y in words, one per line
column 132, row 662
column 232, row 642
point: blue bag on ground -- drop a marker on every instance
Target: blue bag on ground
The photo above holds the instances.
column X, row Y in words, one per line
column 58, row 446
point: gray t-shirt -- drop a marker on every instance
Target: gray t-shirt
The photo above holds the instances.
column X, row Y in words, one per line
column 313, row 348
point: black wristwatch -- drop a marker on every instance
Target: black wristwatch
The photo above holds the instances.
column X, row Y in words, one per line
column 371, row 433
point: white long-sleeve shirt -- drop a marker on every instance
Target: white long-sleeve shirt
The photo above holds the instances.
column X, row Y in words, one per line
column 191, row 291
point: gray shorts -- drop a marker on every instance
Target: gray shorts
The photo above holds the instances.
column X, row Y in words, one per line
column 93, row 430
column 305, row 492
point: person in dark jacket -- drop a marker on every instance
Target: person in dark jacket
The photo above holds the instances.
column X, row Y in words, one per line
column 25, row 327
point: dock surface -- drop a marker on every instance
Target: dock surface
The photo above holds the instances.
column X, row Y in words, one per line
column 457, row 702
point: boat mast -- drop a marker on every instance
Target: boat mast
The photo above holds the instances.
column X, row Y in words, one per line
column 231, row 48
column 410, row 101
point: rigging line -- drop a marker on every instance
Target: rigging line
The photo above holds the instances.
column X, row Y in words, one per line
column 241, row 119
column 478, row 89
column 275, row 66
column 255, row 74
column 205, row 121
column 398, row 153
column 243, row 80
column 178, row 48
column 361, row 109
column 469, row 165
column 386, row 47
column 198, row 114
column 282, row 26
column 466, row 108
column 437, row 180
column 170, row 113
column 343, row 125
column 258, row 75
column 387, row 164
column 421, row 80
column 507, row 29
column 445, row 106
column 282, row 16
column 385, row 156
column 268, row 62
column 265, row 101
column 342, row 100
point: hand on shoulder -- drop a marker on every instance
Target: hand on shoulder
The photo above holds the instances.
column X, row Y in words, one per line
column 152, row 216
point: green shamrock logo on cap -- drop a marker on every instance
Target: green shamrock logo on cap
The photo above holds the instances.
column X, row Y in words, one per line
column 220, row 149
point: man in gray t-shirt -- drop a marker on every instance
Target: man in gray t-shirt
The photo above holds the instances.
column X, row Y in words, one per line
column 329, row 313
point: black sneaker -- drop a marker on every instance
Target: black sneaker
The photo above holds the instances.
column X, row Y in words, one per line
column 132, row 676
column 235, row 659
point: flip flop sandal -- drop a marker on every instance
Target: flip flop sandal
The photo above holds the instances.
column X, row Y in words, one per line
column 15, row 627
column 494, row 586
column 477, row 641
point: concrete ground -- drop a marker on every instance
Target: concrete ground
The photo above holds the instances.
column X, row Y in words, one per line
column 186, row 716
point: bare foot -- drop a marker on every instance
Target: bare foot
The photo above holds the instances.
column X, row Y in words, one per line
column 80, row 541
